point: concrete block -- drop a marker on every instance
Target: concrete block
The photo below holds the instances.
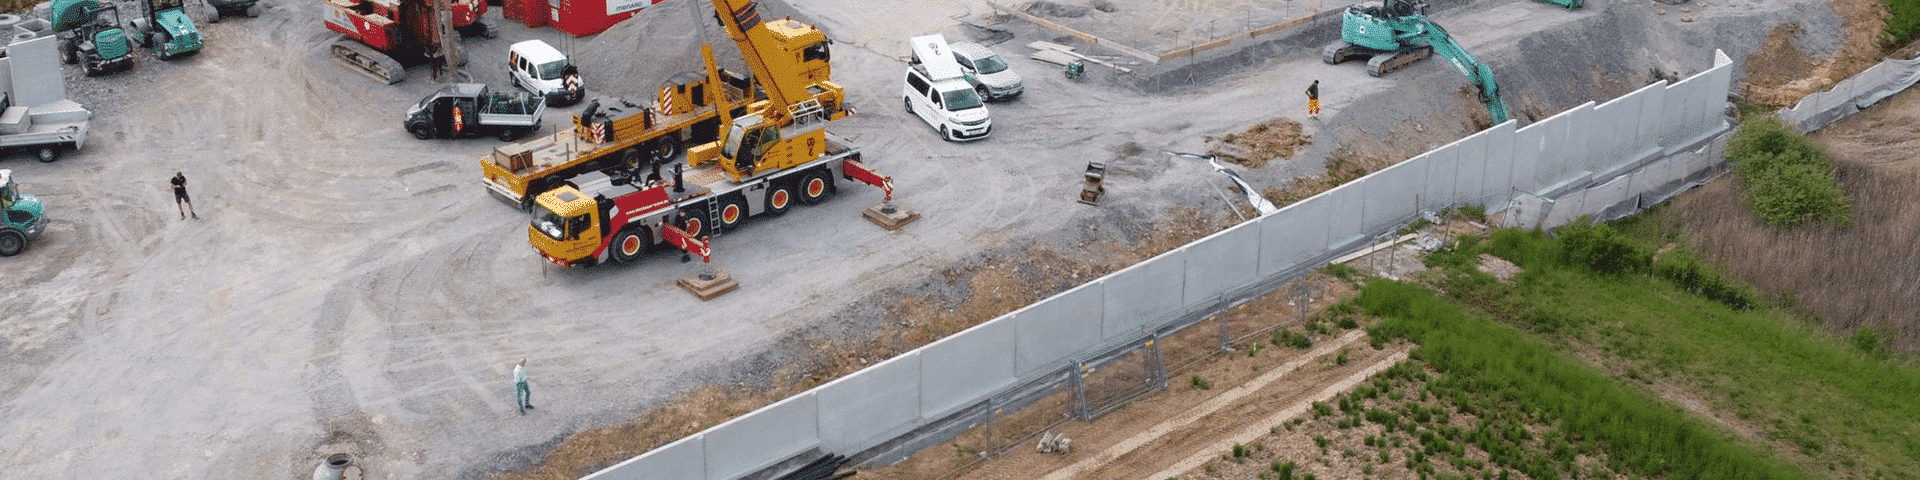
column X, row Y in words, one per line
column 763, row 437
column 966, row 367
column 1146, row 293
column 1226, row 260
column 1054, row 329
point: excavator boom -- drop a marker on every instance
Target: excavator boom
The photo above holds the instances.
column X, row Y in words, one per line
column 1478, row 74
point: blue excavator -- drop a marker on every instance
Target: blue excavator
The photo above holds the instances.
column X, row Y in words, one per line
column 1397, row 33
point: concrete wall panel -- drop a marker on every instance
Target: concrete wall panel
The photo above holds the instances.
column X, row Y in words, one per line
column 1567, row 161
column 1606, row 139
column 1685, row 108
column 1499, row 183
column 1345, row 203
column 1442, row 164
column 1606, row 195
column 1529, row 151
column 879, row 402
column 683, row 459
column 1469, row 180
column 1393, row 192
column 35, row 69
column 962, row 368
column 1298, row 232
column 1223, row 261
column 1146, row 293
column 1055, row 328
column 764, row 437
column 1652, row 104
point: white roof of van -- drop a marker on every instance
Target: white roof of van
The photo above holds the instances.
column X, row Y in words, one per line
column 933, row 52
column 538, row 52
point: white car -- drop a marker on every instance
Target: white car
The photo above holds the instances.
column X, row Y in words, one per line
column 937, row 92
column 987, row 72
column 539, row 68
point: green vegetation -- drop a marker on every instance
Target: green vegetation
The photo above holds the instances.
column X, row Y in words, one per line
column 1790, row 181
column 1904, row 24
column 1833, row 406
column 1198, row 383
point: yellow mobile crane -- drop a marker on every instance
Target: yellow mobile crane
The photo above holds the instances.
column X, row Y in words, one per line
column 774, row 153
column 792, row 62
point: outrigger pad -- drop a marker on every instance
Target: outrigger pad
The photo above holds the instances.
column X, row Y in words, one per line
column 890, row 217
column 709, row 284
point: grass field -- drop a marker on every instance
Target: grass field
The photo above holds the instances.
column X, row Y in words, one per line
column 1598, row 347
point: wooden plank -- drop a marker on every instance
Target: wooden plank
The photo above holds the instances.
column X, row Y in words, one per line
column 1046, row 45
column 1090, row 38
column 1055, row 57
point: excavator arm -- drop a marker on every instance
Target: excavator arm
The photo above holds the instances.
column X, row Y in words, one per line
column 1478, row 74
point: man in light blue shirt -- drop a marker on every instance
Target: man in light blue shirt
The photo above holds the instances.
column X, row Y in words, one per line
column 525, row 397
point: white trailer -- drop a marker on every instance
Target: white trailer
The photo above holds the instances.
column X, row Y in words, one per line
column 35, row 115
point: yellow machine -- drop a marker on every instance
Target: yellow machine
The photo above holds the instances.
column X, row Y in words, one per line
column 791, row 61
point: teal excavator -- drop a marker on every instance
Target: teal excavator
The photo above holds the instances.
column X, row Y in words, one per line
column 1398, row 33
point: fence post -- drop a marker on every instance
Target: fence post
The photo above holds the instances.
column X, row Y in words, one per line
column 1157, row 378
column 1076, row 378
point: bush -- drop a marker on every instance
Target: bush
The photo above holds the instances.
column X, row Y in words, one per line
column 1601, row 249
column 1686, row 273
column 1199, row 383
column 1789, row 180
column 1798, row 194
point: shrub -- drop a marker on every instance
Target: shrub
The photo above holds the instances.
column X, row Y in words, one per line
column 1686, row 273
column 1601, row 249
column 1789, row 180
column 1199, row 383
column 1794, row 195
column 1240, row 451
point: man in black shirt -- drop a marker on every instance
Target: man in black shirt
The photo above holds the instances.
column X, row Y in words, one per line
column 180, row 195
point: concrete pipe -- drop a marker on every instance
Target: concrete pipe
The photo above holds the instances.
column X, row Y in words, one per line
column 8, row 20
column 335, row 468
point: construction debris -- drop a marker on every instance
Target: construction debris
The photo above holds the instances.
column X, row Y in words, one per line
column 1060, row 444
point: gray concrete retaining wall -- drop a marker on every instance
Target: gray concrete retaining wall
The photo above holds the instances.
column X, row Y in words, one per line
column 1591, row 160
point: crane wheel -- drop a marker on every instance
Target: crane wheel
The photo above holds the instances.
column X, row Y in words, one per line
column 631, row 242
column 780, row 198
column 693, row 220
column 665, row 148
column 815, row 187
column 733, row 211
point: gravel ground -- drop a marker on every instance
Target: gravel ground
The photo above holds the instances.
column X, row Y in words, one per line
column 351, row 289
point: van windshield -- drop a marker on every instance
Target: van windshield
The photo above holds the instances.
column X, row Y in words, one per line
column 990, row 64
column 957, row 100
column 551, row 70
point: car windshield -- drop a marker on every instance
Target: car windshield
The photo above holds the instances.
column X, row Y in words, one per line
column 549, row 223
column 990, row 64
column 551, row 70
column 957, row 100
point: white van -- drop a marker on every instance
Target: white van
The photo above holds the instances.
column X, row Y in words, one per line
column 937, row 91
column 543, row 70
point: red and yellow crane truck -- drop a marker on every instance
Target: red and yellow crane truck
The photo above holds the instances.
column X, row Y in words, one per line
column 617, row 133
column 777, row 153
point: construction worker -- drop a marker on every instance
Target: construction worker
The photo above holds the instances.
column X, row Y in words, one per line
column 1313, row 100
column 180, row 195
column 522, row 396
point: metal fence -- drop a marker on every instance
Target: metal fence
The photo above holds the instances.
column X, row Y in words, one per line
column 1589, row 160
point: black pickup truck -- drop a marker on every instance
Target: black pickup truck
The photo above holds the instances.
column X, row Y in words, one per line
column 470, row 110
